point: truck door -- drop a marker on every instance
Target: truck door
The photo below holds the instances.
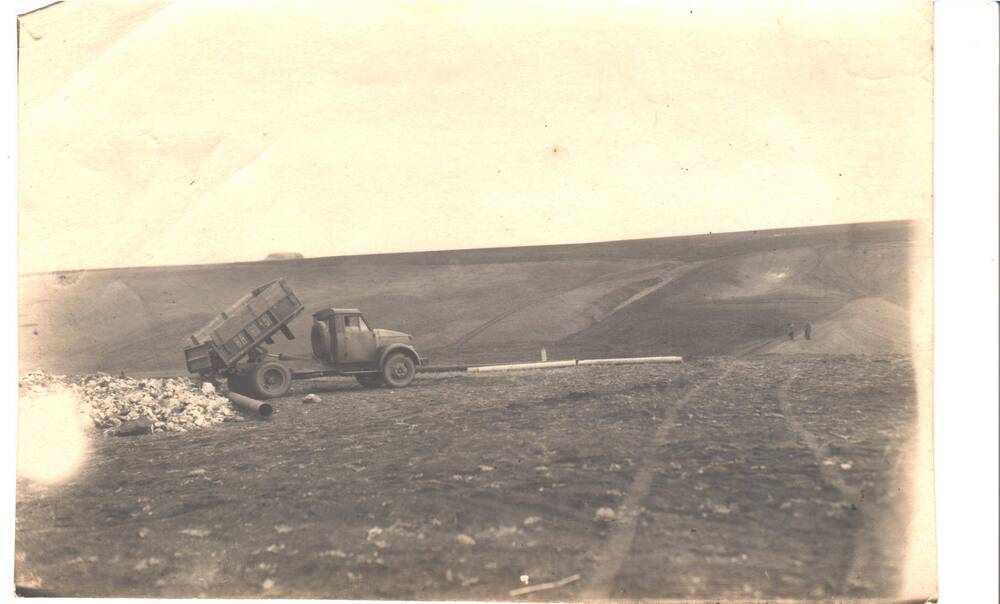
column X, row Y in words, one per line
column 359, row 341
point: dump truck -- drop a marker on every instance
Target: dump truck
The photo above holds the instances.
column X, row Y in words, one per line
column 232, row 347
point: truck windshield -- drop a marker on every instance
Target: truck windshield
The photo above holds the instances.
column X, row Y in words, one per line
column 355, row 323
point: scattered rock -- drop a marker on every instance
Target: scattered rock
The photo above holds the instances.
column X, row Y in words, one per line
column 530, row 520
column 196, row 532
column 465, row 539
column 721, row 509
column 605, row 514
column 311, row 398
column 146, row 563
column 333, row 553
column 498, row 532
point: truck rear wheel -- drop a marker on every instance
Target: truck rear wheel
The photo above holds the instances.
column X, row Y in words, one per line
column 269, row 380
column 398, row 370
column 370, row 380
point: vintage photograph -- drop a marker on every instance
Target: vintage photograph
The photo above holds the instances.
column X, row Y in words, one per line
column 545, row 301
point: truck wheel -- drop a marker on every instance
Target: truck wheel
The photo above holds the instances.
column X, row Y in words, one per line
column 398, row 370
column 269, row 380
column 370, row 380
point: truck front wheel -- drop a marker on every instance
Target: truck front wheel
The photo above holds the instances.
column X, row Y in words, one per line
column 269, row 380
column 398, row 370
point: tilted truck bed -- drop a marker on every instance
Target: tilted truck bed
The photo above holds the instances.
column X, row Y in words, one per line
column 250, row 322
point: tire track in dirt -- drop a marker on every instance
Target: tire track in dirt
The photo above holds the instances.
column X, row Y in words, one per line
column 665, row 279
column 554, row 293
column 818, row 449
column 865, row 574
column 754, row 347
column 616, row 550
column 671, row 276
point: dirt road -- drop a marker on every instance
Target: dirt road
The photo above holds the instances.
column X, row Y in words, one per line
column 744, row 478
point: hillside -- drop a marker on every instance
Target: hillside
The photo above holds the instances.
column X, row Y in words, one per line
column 710, row 294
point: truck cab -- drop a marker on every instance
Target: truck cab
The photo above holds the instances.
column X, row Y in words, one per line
column 343, row 341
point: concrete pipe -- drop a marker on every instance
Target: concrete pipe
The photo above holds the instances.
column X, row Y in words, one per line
column 631, row 361
column 522, row 366
column 250, row 405
column 442, row 368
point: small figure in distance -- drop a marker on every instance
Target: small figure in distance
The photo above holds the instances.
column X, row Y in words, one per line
column 791, row 331
column 808, row 332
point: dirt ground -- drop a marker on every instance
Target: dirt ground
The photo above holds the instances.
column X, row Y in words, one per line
column 768, row 476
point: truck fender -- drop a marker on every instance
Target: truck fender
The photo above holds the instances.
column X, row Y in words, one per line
column 409, row 350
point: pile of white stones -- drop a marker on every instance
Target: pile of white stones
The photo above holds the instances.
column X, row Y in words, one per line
column 116, row 404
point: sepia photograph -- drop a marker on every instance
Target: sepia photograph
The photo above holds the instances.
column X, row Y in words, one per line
column 472, row 301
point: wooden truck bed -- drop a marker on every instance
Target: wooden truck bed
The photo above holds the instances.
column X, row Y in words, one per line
column 250, row 322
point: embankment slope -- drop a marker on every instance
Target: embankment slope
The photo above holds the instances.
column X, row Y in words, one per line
column 708, row 294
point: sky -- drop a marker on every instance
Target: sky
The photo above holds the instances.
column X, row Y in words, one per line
column 193, row 132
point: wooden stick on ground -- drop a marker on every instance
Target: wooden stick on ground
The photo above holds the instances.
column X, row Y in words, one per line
column 543, row 586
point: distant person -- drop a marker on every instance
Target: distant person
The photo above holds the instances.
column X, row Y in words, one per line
column 808, row 331
column 791, row 331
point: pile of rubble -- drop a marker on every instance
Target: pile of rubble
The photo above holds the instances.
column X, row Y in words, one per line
column 118, row 405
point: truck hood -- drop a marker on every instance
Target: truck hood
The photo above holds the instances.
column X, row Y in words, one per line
column 388, row 336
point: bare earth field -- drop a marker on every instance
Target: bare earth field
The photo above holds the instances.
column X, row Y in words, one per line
column 766, row 476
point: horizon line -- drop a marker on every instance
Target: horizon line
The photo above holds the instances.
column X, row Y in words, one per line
column 459, row 250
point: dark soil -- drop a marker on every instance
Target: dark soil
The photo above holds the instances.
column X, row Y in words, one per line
column 721, row 478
